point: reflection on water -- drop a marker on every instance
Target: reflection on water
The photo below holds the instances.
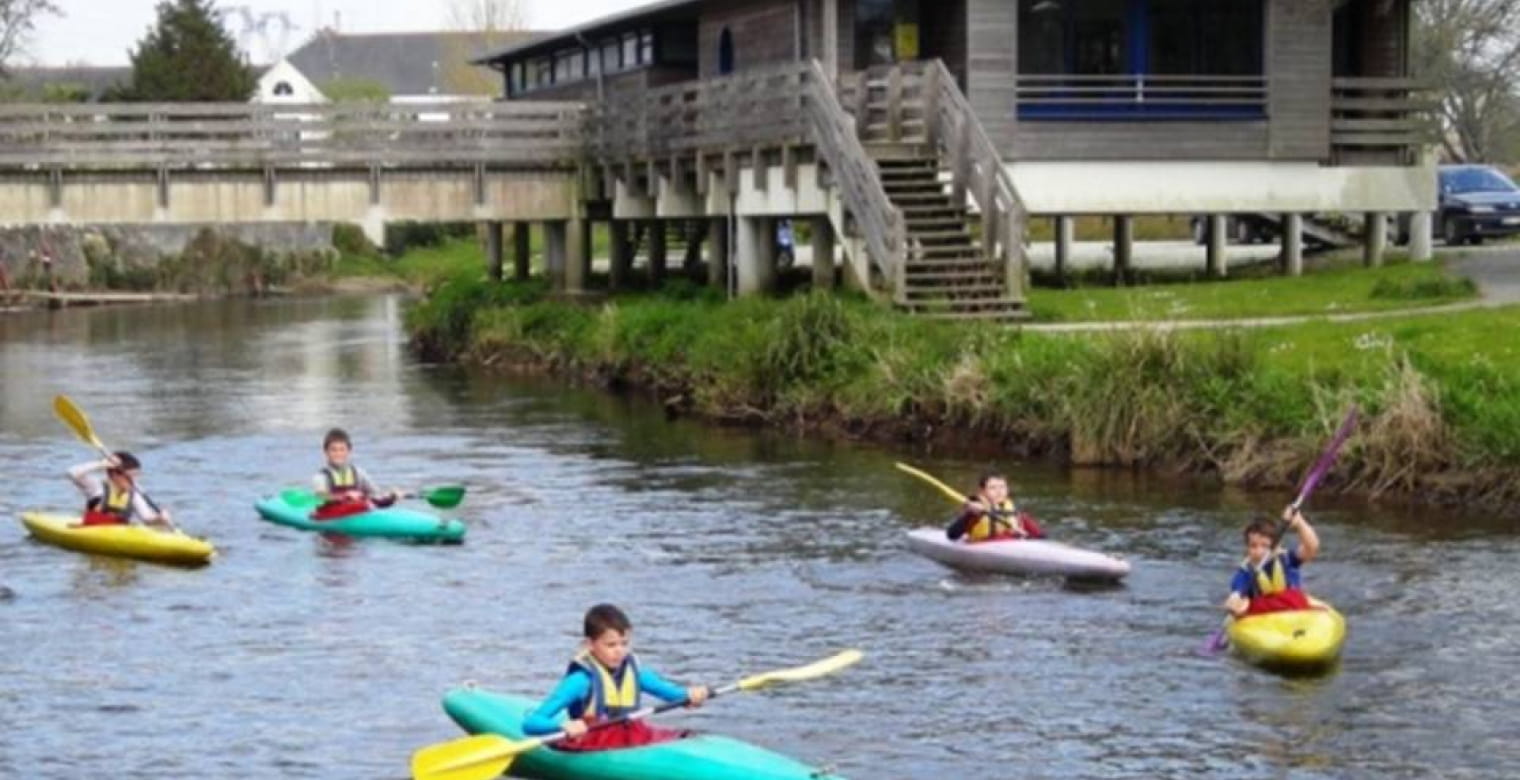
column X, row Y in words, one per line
column 298, row 655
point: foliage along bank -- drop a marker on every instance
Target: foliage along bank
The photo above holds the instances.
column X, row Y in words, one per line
column 1441, row 411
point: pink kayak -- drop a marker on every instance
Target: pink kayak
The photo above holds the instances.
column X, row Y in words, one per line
column 1022, row 556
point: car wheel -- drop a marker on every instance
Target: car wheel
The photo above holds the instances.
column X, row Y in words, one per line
column 1475, row 240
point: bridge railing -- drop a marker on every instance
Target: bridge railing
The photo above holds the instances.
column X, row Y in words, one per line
column 240, row 135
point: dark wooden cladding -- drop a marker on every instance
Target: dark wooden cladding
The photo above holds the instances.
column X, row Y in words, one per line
column 764, row 32
column 1299, row 66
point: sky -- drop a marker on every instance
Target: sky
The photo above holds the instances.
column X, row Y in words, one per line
column 100, row 32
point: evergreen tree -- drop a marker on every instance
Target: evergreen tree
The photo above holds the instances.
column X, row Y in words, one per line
column 188, row 57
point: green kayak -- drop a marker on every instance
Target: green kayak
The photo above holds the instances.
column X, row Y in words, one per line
column 294, row 508
column 697, row 757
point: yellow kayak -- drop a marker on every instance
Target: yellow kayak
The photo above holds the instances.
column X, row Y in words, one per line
column 124, row 541
column 1297, row 639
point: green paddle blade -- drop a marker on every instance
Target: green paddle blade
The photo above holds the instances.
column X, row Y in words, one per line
column 443, row 496
column 299, row 497
column 480, row 757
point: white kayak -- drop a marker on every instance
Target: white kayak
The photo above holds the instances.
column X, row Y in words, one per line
column 1016, row 556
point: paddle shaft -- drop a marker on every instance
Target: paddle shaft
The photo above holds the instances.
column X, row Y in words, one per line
column 72, row 416
column 638, row 714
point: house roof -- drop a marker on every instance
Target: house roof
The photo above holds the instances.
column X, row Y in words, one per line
column 406, row 63
column 568, row 36
column 95, row 80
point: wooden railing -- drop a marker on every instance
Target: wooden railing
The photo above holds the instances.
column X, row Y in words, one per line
column 247, row 136
column 785, row 106
column 1381, row 114
column 977, row 170
column 1072, row 96
column 838, row 142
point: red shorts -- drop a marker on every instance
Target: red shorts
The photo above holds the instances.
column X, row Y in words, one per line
column 332, row 510
column 630, row 734
column 1293, row 598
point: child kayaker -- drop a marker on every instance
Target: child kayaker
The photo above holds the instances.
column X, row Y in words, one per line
column 1268, row 580
column 990, row 515
column 116, row 500
column 604, row 681
column 342, row 485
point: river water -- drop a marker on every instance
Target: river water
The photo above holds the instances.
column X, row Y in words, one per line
column 733, row 552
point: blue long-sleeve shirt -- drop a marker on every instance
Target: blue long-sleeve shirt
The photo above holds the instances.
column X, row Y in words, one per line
column 576, row 686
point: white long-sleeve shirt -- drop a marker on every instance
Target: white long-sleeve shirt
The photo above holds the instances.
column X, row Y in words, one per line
column 86, row 476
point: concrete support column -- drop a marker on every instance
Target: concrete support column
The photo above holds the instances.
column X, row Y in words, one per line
column 1124, row 248
column 1293, row 244
column 522, row 251
column 494, row 253
column 657, row 259
column 556, row 257
column 755, row 255
column 1421, row 227
column 717, row 259
column 1065, row 236
column 577, row 254
column 621, row 250
column 831, row 37
column 1375, row 238
column 1217, row 235
column 824, row 274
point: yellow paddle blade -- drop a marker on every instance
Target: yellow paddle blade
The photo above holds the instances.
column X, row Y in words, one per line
column 480, row 757
column 73, row 416
column 828, row 665
column 950, row 492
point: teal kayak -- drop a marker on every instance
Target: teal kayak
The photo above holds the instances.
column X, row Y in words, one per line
column 697, row 757
column 294, row 508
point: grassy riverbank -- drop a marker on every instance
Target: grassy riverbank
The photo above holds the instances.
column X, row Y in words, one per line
column 1441, row 395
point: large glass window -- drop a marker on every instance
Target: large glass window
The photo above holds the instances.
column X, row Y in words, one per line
column 612, row 55
column 630, row 49
column 646, row 48
column 1146, row 58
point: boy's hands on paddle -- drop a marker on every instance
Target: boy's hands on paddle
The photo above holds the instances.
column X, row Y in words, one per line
column 697, row 694
column 1293, row 517
column 576, row 728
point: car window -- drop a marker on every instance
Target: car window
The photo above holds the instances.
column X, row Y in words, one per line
column 1465, row 180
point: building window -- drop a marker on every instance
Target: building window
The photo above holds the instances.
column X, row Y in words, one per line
column 646, row 48
column 569, row 65
column 283, row 89
column 630, row 50
column 612, row 55
column 725, row 52
column 517, row 85
column 593, row 61
column 1150, row 59
column 543, row 73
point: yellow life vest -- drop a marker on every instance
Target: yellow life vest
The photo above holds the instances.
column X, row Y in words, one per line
column 346, row 478
column 613, row 694
column 1277, row 580
column 988, row 526
column 116, row 502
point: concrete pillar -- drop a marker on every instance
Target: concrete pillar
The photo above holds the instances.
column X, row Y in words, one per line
column 373, row 224
column 1124, row 248
column 555, row 255
column 522, row 251
column 657, row 259
column 1421, row 226
column 1065, row 236
column 755, row 255
column 1374, row 238
column 577, row 254
column 823, row 254
column 493, row 250
column 1217, row 236
column 621, row 250
column 717, row 259
column 1293, row 244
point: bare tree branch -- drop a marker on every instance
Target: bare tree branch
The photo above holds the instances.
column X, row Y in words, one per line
column 18, row 20
column 1470, row 50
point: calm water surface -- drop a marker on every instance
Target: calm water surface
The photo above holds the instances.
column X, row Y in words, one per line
column 734, row 552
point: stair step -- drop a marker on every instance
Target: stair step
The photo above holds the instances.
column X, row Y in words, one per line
column 942, row 235
column 922, row 198
column 944, row 275
column 971, row 261
column 881, row 150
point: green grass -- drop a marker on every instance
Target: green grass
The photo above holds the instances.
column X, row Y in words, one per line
column 1333, row 291
column 1441, row 394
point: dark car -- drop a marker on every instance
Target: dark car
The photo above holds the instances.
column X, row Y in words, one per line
column 1477, row 202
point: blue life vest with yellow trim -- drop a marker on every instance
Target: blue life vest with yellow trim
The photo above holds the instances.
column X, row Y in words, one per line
column 613, row 694
column 1271, row 577
column 339, row 480
column 991, row 526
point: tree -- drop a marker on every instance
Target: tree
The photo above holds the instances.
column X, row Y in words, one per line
column 188, row 57
column 18, row 19
column 1470, row 51
column 495, row 24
